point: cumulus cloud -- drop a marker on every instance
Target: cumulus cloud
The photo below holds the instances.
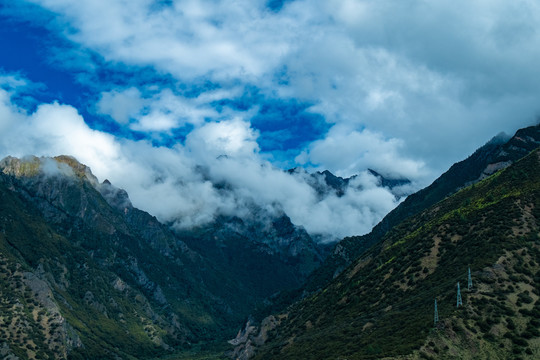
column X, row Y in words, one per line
column 230, row 138
column 122, row 106
column 359, row 209
column 344, row 152
column 422, row 74
column 171, row 184
column 435, row 76
column 158, row 111
column 186, row 38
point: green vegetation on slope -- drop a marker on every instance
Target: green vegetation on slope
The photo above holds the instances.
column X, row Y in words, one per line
column 488, row 158
column 382, row 305
column 86, row 275
column 117, row 285
column 54, row 294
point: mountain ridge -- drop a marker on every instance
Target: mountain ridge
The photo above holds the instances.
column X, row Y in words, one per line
column 381, row 306
column 114, row 274
column 502, row 149
column 495, row 155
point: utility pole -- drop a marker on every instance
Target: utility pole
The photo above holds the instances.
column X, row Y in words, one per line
column 436, row 316
column 459, row 301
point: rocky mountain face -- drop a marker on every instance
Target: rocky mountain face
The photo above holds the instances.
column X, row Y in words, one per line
column 84, row 274
column 325, row 182
column 390, row 183
column 497, row 154
column 260, row 253
column 383, row 304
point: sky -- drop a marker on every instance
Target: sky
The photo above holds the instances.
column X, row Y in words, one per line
column 151, row 93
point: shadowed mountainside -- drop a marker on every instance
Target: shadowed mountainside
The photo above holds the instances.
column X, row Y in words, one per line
column 84, row 274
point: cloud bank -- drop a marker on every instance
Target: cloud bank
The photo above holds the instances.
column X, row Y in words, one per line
column 180, row 184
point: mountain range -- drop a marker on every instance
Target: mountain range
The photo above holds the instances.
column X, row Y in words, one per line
column 85, row 275
column 499, row 153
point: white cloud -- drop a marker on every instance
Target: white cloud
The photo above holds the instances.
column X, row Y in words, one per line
column 157, row 111
column 434, row 76
column 347, row 152
column 53, row 168
column 55, row 129
column 423, row 73
column 169, row 182
column 121, row 105
column 233, row 138
column 187, row 39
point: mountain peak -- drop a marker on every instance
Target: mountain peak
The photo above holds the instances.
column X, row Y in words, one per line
column 79, row 169
column 389, row 182
column 32, row 166
column 381, row 306
column 64, row 167
column 500, row 138
column 27, row 166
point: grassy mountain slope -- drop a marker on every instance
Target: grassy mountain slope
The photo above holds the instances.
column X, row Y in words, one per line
column 382, row 304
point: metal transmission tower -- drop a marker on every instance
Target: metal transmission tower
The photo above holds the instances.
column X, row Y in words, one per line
column 469, row 283
column 459, row 301
column 436, row 316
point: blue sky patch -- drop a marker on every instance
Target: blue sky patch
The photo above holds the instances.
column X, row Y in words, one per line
column 286, row 125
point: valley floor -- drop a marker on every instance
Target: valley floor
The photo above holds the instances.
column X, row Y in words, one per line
column 209, row 351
